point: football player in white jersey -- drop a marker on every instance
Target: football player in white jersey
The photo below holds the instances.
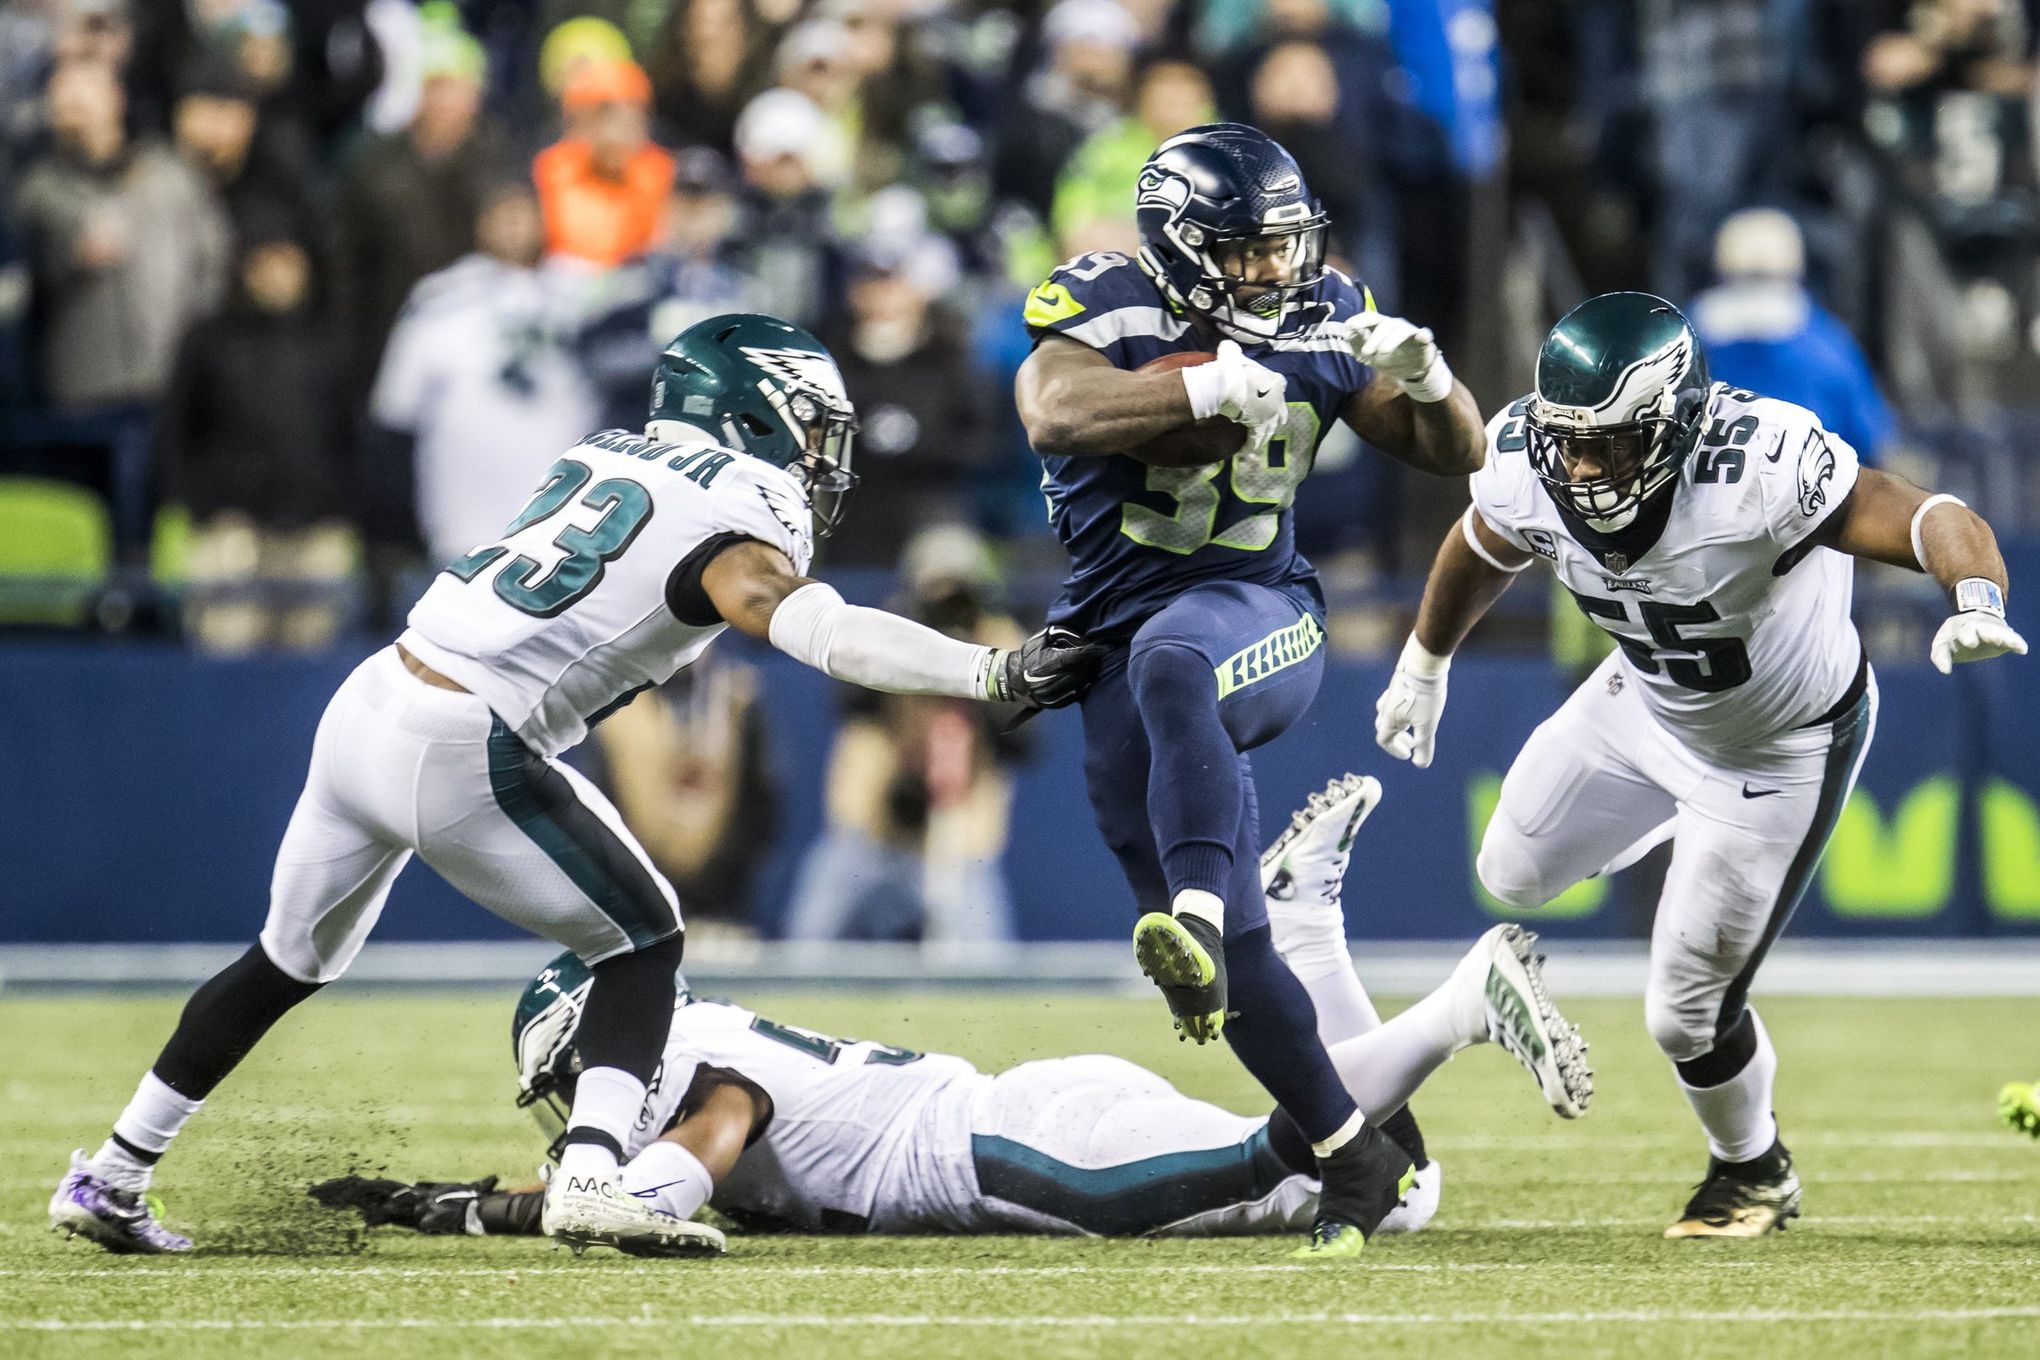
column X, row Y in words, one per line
column 778, row 1126
column 633, row 555
column 1710, row 531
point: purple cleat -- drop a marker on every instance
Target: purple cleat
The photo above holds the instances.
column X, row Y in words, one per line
column 119, row 1220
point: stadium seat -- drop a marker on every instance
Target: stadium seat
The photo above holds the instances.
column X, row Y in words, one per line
column 56, row 544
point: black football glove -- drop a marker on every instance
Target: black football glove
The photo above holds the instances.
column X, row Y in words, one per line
column 1049, row 670
column 436, row 1208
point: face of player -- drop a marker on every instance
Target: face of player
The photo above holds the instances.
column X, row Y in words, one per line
column 1264, row 265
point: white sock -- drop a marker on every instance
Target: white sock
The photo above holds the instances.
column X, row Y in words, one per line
column 1207, row 907
column 607, row 1100
column 1382, row 1069
column 1737, row 1113
column 1345, row 1134
column 669, row 1177
column 1312, row 940
column 152, row 1118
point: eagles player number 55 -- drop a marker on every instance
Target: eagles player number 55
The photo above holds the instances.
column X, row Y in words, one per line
column 1709, row 531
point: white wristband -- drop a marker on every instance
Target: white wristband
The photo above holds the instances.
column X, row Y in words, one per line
column 1979, row 594
column 1919, row 517
column 1421, row 661
column 1204, row 384
column 1435, row 385
column 1480, row 549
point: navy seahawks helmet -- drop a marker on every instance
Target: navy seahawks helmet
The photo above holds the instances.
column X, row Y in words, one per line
column 769, row 388
column 542, row 1042
column 1621, row 391
column 1217, row 202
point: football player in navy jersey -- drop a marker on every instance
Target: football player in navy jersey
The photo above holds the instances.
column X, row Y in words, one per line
column 1170, row 484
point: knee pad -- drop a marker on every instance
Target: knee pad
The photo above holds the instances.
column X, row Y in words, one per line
column 1679, row 1035
column 1507, row 871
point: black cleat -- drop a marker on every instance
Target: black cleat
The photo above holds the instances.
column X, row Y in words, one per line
column 1742, row 1199
column 1184, row 956
column 1360, row 1185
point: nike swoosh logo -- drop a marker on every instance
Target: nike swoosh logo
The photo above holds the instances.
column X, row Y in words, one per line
column 652, row 1191
column 1031, row 678
column 1747, row 792
column 1777, row 449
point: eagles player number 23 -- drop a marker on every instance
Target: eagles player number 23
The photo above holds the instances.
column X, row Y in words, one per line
column 1265, row 473
column 544, row 594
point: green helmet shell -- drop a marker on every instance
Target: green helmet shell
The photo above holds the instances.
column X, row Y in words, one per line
column 542, row 1040
column 769, row 388
column 1621, row 384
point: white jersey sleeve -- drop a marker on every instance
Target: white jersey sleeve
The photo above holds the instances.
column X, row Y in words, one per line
column 757, row 500
column 1505, row 489
column 1804, row 476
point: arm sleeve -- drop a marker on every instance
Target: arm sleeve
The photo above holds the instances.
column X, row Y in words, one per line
column 1814, row 473
column 875, row 649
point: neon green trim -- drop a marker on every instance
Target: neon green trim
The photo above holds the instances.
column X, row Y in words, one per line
column 1048, row 304
column 1278, row 651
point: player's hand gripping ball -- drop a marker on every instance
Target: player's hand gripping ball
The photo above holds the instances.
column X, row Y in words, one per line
column 1249, row 401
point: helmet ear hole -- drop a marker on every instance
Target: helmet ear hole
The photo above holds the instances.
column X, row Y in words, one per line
column 753, row 426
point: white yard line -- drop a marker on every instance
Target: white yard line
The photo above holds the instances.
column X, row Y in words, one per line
column 646, row 1318
column 234, row 1271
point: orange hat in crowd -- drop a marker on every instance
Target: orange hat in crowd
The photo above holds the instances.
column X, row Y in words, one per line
column 606, row 82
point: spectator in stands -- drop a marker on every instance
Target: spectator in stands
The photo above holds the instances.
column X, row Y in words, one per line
column 1082, row 89
column 919, row 791
column 252, row 441
column 1764, row 331
column 129, row 247
column 789, row 249
column 710, row 59
column 1094, row 196
column 902, row 81
column 604, row 185
column 923, row 413
column 690, row 275
column 478, row 388
column 1294, row 96
column 260, row 171
column 409, row 201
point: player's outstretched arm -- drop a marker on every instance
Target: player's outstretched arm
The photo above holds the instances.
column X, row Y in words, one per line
column 1888, row 519
column 754, row 587
column 1076, row 404
column 1421, row 415
column 1473, row 567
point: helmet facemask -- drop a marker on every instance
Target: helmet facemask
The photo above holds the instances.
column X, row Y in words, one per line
column 823, row 423
column 1248, row 283
column 1602, row 473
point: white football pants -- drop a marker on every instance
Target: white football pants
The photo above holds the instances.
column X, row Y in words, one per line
column 1601, row 780
column 400, row 767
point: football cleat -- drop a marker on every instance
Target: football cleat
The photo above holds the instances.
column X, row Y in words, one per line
column 123, row 1221
column 1308, row 860
column 596, row 1211
column 1359, row 1186
column 1420, row 1202
column 1506, row 968
column 2019, row 1107
column 1184, row 956
column 1742, row 1199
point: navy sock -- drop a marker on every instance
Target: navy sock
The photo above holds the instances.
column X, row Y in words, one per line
column 1194, row 783
column 1274, row 1032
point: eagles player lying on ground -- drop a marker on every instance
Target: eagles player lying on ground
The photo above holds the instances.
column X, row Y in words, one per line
column 635, row 553
column 778, row 1126
column 1171, row 487
column 1709, row 530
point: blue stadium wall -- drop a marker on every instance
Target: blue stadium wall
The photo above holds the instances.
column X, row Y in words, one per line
column 143, row 790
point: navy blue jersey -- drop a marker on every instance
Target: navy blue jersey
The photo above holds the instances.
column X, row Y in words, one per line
column 1139, row 536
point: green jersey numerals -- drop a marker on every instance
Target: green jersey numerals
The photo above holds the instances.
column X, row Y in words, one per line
column 827, row 1049
column 1268, row 475
column 531, row 587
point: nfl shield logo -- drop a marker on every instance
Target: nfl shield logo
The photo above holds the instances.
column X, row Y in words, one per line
column 1617, row 562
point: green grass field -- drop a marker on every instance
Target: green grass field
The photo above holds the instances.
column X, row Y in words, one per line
column 1921, row 1235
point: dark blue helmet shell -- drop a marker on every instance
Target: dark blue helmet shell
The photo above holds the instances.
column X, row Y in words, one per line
column 1215, row 185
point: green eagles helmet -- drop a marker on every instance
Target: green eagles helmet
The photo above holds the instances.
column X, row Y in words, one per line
column 1621, row 387
column 542, row 1041
column 766, row 387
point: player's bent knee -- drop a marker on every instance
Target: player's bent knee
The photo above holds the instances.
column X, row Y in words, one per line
column 1509, row 874
column 1171, row 670
column 1674, row 1029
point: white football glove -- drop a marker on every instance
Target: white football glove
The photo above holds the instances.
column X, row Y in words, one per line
column 1234, row 386
column 1401, row 351
column 1973, row 635
column 1406, row 715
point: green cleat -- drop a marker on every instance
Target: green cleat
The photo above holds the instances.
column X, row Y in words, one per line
column 2019, row 1107
column 1184, row 957
column 1331, row 1242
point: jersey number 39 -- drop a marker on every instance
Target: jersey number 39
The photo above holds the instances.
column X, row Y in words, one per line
column 544, row 591
column 1268, row 475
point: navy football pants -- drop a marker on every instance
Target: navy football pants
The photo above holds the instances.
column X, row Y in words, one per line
column 1222, row 669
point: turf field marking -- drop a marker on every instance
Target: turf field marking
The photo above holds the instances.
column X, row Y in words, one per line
column 230, row 1272
column 646, row 1318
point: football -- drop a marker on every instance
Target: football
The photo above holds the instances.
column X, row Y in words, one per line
column 1210, row 439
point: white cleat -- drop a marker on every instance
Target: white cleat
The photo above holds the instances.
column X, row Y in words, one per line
column 1505, row 966
column 596, row 1211
column 1308, row 860
column 1420, row 1205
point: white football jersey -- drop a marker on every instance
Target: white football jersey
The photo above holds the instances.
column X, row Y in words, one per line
column 1733, row 623
column 565, row 616
column 847, row 1145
